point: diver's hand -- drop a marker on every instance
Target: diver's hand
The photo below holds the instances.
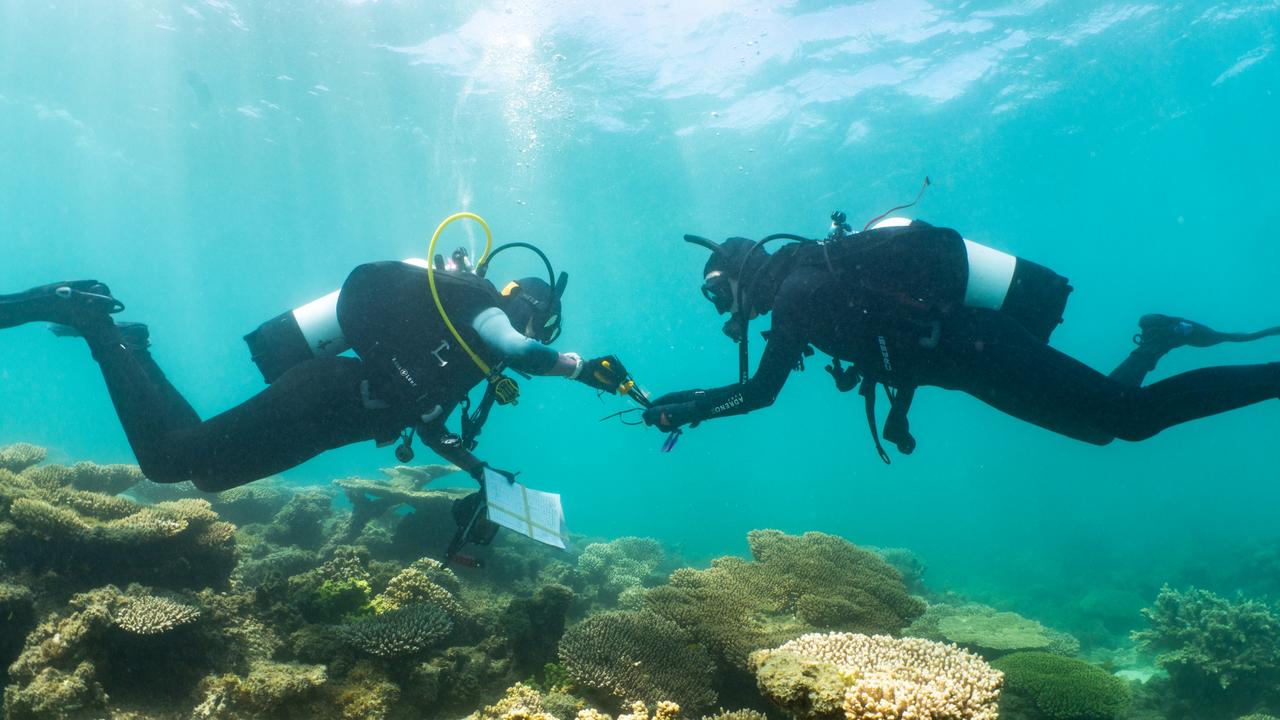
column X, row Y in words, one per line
column 605, row 373
column 478, row 474
column 669, row 417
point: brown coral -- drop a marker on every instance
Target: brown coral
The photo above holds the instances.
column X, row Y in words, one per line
column 846, row 676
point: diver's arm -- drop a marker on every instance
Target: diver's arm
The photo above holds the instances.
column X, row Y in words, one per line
column 520, row 352
column 691, row 406
column 447, row 445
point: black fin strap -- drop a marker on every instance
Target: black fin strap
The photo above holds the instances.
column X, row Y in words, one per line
column 868, row 392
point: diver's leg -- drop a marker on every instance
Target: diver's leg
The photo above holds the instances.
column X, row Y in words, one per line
column 994, row 359
column 315, row 406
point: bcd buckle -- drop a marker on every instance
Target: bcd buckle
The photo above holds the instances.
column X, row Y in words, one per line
column 505, row 390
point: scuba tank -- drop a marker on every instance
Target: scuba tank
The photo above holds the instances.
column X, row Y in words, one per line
column 295, row 336
column 1030, row 293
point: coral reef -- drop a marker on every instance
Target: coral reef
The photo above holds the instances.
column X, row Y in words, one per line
column 92, row 538
column 130, row 600
column 1044, row 686
column 848, row 676
column 638, row 656
column 988, row 632
column 1219, row 653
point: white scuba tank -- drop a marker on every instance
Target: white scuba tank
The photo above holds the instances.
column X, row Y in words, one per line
column 306, row 332
column 990, row 271
column 1030, row 293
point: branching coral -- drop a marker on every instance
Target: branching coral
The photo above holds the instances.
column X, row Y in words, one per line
column 859, row 677
column 20, row 456
column 617, row 566
column 796, row 584
column 1061, row 688
column 105, row 479
column 152, row 615
column 1219, row 653
column 400, row 633
column 638, row 656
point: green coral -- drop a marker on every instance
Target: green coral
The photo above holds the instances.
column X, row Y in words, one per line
column 343, row 599
column 638, row 656
column 1199, row 635
column 1054, row 687
column 794, row 585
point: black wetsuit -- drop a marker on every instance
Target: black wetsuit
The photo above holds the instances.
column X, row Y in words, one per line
column 987, row 353
column 409, row 366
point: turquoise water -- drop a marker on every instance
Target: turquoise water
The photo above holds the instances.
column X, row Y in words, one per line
column 217, row 163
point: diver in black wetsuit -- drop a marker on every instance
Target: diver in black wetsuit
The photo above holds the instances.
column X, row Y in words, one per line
column 909, row 304
column 411, row 372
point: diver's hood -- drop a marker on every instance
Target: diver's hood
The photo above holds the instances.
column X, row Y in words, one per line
column 727, row 257
column 531, row 303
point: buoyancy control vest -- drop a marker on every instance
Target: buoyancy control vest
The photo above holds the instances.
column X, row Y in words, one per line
column 387, row 314
column 921, row 273
column 911, row 274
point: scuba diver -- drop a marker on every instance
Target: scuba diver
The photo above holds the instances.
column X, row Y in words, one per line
column 424, row 335
column 909, row 304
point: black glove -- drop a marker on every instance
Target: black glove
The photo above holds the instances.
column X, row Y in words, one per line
column 477, row 473
column 604, row 373
column 671, row 416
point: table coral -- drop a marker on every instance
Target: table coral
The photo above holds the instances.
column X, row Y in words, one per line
column 638, row 656
column 846, row 676
column 989, row 632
